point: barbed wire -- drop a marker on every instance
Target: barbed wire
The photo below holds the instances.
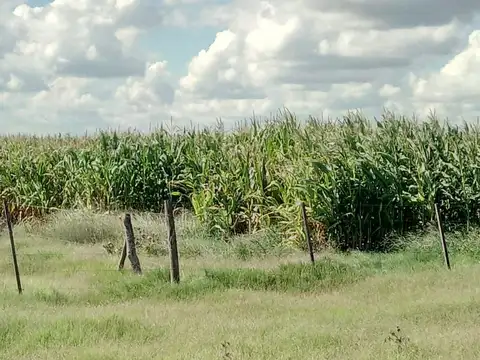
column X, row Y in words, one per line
column 123, row 209
column 90, row 271
column 73, row 271
column 90, row 209
column 182, row 210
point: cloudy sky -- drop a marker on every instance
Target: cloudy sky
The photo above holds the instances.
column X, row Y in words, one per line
column 77, row 65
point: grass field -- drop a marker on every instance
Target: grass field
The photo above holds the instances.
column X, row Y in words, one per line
column 252, row 299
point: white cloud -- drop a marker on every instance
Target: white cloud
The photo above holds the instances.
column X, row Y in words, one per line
column 143, row 93
column 77, row 38
column 320, row 55
column 66, row 59
column 73, row 64
column 454, row 88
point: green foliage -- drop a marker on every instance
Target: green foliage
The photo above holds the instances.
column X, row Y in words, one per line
column 74, row 331
column 323, row 275
column 362, row 181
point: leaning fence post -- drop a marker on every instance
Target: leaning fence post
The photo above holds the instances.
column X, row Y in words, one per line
column 442, row 236
column 306, row 230
column 129, row 246
column 172, row 242
column 8, row 218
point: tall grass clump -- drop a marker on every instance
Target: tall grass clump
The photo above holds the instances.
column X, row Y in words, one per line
column 362, row 180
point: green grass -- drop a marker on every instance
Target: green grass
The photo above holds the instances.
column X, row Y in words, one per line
column 274, row 305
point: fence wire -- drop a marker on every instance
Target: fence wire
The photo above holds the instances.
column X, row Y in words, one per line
column 362, row 226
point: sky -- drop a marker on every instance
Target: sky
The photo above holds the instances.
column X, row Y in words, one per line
column 82, row 65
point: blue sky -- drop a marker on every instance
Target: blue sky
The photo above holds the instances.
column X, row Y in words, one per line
column 178, row 45
column 37, row 2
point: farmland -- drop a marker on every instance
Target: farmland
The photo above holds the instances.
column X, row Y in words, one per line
column 246, row 291
column 251, row 298
column 361, row 180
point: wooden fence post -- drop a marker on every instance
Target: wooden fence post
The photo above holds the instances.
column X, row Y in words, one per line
column 172, row 242
column 442, row 236
column 121, row 263
column 129, row 246
column 306, row 230
column 8, row 218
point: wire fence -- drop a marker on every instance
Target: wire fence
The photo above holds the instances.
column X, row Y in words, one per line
column 129, row 247
column 359, row 228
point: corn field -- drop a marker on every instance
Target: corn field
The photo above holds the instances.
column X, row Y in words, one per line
column 361, row 180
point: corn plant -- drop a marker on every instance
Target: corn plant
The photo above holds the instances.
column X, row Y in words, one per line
column 361, row 180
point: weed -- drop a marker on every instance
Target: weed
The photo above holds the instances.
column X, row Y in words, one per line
column 226, row 354
column 396, row 338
